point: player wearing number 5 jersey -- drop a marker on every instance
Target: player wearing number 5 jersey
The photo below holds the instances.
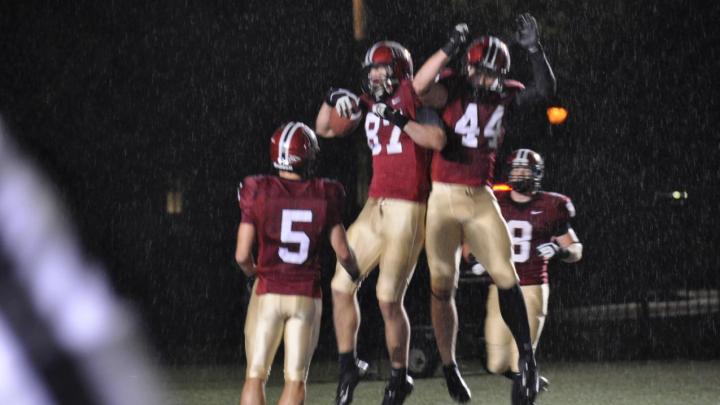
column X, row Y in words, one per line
column 461, row 205
column 540, row 230
column 288, row 215
column 390, row 229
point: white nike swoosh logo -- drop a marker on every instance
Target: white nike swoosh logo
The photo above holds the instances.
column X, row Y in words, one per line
column 344, row 395
column 535, row 212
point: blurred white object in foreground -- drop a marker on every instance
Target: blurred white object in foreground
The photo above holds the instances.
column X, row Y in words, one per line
column 64, row 337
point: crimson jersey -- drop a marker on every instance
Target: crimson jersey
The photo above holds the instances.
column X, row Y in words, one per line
column 290, row 218
column 400, row 166
column 531, row 224
column 475, row 131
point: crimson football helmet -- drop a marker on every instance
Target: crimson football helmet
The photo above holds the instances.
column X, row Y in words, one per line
column 529, row 182
column 398, row 66
column 488, row 55
column 294, row 148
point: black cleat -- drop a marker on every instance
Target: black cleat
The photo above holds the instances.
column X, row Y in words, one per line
column 456, row 386
column 348, row 382
column 396, row 395
column 526, row 384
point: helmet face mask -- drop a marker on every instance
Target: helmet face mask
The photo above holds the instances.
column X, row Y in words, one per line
column 379, row 80
column 294, row 148
column 487, row 63
column 481, row 77
column 386, row 64
column 526, row 171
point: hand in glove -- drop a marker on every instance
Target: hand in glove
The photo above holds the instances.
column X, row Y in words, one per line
column 388, row 113
column 343, row 100
column 457, row 39
column 527, row 33
column 550, row 250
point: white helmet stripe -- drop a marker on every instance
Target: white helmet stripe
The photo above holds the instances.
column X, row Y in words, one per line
column 492, row 52
column 285, row 139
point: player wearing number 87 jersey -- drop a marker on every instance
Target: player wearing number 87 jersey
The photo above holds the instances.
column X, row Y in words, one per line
column 288, row 215
column 461, row 205
column 390, row 229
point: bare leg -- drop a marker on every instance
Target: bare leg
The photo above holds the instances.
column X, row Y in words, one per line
column 293, row 393
column 253, row 392
column 445, row 324
column 346, row 316
column 397, row 332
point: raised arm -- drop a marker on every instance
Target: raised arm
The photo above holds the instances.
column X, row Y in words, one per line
column 424, row 83
column 543, row 84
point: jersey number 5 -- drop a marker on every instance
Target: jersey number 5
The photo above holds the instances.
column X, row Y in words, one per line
column 287, row 235
column 520, row 236
column 469, row 128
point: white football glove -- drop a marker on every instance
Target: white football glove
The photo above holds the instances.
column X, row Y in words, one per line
column 344, row 106
column 548, row 250
column 478, row 269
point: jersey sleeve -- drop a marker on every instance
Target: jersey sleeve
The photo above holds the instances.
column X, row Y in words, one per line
column 565, row 211
column 335, row 194
column 410, row 99
column 427, row 115
column 247, row 193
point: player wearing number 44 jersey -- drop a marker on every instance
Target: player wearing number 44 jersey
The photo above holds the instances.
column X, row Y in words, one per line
column 539, row 226
column 461, row 206
column 288, row 215
column 390, row 229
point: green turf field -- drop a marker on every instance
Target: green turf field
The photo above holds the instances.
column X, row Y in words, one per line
column 631, row 383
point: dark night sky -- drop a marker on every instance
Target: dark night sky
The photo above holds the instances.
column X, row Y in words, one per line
column 122, row 101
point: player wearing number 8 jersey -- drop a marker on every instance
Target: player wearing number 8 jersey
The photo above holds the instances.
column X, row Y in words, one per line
column 390, row 229
column 288, row 215
column 461, row 205
column 540, row 230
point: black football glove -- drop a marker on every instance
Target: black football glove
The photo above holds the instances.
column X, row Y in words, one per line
column 388, row 113
column 527, row 33
column 457, row 39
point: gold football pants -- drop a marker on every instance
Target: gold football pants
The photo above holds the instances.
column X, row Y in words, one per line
column 502, row 352
column 388, row 232
column 271, row 317
column 458, row 213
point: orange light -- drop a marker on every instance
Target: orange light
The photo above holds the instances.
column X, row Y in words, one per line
column 501, row 187
column 557, row 115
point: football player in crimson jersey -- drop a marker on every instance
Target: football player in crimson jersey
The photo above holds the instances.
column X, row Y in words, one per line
column 539, row 226
column 461, row 205
column 390, row 229
column 287, row 215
